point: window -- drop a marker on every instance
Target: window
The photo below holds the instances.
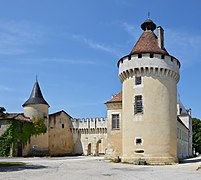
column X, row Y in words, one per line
column 162, row 56
column 139, row 151
column 138, row 108
column 115, row 121
column 171, row 59
column 138, row 80
column 62, row 125
column 138, row 141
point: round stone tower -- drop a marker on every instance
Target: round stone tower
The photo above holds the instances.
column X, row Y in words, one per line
column 36, row 106
column 149, row 76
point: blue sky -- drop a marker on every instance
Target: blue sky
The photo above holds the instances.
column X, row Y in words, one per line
column 74, row 45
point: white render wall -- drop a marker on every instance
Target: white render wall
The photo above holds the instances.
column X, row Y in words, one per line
column 156, row 126
column 36, row 110
column 167, row 67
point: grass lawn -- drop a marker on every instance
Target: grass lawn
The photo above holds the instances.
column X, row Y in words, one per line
column 10, row 164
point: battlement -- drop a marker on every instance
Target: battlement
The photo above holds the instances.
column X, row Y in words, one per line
column 148, row 64
column 89, row 123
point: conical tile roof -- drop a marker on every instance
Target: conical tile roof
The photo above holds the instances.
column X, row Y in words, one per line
column 148, row 43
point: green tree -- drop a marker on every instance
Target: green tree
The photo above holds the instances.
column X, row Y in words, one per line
column 2, row 112
column 39, row 125
column 196, row 125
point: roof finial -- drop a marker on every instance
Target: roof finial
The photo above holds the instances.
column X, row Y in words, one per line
column 36, row 78
column 148, row 15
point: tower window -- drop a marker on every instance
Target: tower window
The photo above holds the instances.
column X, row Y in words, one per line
column 138, row 80
column 138, row 108
column 171, row 59
column 151, row 55
column 62, row 126
column 115, row 121
column 138, row 141
column 129, row 57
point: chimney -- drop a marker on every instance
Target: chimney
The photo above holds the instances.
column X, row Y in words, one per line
column 160, row 37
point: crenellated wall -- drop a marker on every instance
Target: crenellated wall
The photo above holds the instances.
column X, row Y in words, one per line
column 89, row 123
column 89, row 135
column 158, row 65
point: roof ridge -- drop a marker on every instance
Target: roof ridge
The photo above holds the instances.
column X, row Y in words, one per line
column 116, row 98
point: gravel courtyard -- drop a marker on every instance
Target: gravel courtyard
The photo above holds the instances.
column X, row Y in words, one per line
column 71, row 168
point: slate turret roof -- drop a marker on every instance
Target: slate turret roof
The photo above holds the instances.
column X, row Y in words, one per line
column 36, row 96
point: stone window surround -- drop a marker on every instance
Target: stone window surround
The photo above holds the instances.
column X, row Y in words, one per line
column 115, row 113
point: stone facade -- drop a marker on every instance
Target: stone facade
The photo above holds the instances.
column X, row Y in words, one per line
column 90, row 136
column 59, row 136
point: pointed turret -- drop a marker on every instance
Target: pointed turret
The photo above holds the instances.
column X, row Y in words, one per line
column 36, row 105
column 36, row 96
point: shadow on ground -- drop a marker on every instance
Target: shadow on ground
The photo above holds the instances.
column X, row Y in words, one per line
column 21, row 168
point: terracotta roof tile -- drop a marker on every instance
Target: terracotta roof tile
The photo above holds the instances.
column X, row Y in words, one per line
column 116, row 98
column 17, row 116
column 148, row 43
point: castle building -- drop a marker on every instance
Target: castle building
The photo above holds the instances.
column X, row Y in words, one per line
column 144, row 115
column 145, row 121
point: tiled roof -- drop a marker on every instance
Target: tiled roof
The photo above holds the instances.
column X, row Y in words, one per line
column 17, row 116
column 116, row 98
column 36, row 96
column 148, row 43
column 58, row 113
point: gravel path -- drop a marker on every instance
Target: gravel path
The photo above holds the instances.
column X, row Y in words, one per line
column 90, row 168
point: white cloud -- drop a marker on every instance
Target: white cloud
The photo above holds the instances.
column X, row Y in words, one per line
column 184, row 45
column 16, row 35
column 57, row 60
column 95, row 45
column 6, row 89
column 133, row 30
column 180, row 44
